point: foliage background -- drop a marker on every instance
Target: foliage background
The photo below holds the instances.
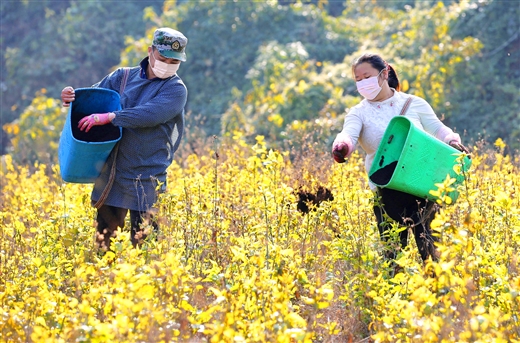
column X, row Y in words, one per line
column 237, row 262
column 275, row 68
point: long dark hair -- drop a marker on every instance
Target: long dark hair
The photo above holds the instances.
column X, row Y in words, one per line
column 378, row 63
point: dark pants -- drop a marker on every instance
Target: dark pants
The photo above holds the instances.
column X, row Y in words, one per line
column 111, row 217
column 410, row 211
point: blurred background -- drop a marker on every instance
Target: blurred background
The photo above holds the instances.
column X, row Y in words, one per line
column 280, row 69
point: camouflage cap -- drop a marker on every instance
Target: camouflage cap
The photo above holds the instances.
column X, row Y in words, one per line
column 170, row 43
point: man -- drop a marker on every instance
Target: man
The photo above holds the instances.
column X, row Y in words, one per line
column 152, row 118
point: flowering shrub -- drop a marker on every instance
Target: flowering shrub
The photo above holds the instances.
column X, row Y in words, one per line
column 235, row 260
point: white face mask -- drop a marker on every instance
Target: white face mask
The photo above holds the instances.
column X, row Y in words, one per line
column 164, row 70
column 369, row 88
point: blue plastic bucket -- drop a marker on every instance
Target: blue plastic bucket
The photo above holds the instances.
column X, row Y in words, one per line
column 413, row 161
column 83, row 154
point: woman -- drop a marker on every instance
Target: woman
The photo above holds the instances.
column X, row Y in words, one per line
column 366, row 123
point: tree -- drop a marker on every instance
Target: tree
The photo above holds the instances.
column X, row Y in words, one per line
column 36, row 133
column 279, row 70
column 224, row 41
column 487, row 96
column 52, row 44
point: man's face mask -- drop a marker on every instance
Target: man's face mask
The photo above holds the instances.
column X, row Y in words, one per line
column 164, row 70
column 369, row 88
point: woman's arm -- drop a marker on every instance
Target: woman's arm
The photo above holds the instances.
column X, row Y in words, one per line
column 433, row 125
column 346, row 140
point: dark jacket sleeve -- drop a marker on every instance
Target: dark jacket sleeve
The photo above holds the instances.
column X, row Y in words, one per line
column 165, row 106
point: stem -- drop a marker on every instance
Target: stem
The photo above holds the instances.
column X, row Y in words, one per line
column 214, row 234
column 267, row 231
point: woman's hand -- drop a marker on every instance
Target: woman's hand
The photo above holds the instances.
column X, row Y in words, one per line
column 457, row 145
column 339, row 151
column 67, row 96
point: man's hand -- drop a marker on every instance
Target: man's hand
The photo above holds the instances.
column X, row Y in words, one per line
column 67, row 96
column 339, row 151
column 86, row 123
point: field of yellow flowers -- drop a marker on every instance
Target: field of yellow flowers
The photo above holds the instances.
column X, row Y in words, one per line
column 236, row 261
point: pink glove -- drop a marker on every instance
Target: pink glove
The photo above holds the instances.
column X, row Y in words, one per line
column 95, row 119
column 339, row 152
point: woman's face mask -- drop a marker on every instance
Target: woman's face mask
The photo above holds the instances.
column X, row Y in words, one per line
column 164, row 70
column 369, row 88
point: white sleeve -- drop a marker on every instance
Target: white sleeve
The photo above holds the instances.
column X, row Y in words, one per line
column 432, row 124
column 351, row 130
column 353, row 125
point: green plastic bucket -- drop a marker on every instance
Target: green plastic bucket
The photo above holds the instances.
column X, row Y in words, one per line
column 413, row 161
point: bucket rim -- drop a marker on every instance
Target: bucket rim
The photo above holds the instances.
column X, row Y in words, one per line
column 385, row 137
column 100, row 90
column 95, row 89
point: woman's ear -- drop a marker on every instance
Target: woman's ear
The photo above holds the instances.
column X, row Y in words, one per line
column 385, row 73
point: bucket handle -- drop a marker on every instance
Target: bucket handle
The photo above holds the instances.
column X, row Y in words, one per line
column 405, row 107
column 110, row 182
column 112, row 176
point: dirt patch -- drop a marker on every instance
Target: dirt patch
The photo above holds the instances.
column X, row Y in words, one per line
column 384, row 175
column 309, row 200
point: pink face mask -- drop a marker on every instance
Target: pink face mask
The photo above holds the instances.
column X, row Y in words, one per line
column 369, row 88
